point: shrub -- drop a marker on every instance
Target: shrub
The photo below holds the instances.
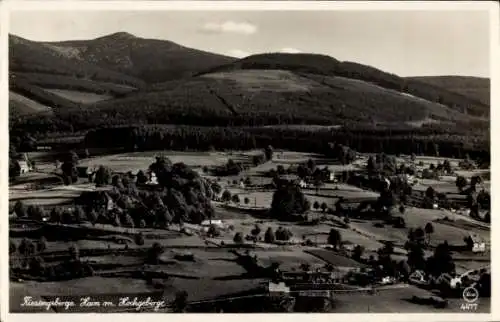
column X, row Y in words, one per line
column 269, row 236
column 238, row 238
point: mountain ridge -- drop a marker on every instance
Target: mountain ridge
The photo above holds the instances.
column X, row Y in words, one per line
column 171, row 83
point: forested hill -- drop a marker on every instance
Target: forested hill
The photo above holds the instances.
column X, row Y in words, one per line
column 476, row 88
column 151, row 60
column 120, row 79
column 434, row 90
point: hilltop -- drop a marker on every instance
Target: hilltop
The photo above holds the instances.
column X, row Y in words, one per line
column 476, row 88
column 150, row 60
column 260, row 97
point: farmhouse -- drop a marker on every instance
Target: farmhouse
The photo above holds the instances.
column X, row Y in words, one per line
column 479, row 246
column 277, row 289
column 25, row 164
column 218, row 223
column 25, row 167
column 448, row 280
column 153, row 180
column 418, row 277
column 85, row 172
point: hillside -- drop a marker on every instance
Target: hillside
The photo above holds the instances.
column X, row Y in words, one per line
column 34, row 57
column 21, row 105
column 150, row 60
column 328, row 66
column 476, row 88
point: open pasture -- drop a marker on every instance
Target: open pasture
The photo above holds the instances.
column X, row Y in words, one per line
column 334, row 259
column 428, row 160
column 86, row 286
column 142, row 160
column 207, row 264
column 340, row 193
column 414, row 218
column 396, row 300
column 439, row 186
column 207, row 289
column 288, row 259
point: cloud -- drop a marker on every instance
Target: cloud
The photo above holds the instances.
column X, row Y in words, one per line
column 290, row 50
column 238, row 53
column 244, row 28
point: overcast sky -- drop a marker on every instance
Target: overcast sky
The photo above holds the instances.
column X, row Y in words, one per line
column 407, row 43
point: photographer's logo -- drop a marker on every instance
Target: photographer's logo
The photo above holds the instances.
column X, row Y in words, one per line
column 470, row 296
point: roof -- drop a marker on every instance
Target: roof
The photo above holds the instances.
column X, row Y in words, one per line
column 418, row 273
column 289, row 177
column 213, row 222
column 279, row 287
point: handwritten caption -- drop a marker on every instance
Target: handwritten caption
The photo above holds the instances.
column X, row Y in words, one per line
column 88, row 302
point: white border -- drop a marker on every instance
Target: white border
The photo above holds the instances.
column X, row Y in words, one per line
column 51, row 5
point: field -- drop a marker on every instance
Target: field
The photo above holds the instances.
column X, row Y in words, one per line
column 215, row 270
column 134, row 162
column 78, row 96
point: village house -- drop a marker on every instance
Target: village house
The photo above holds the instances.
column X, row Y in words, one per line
column 25, row 165
column 152, row 180
column 331, row 177
column 277, row 289
column 448, row 280
column 418, row 277
column 215, row 222
column 85, row 171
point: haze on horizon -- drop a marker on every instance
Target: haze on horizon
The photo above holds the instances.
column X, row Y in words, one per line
column 406, row 43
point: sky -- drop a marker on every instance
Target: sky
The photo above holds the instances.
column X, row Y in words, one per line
column 406, row 43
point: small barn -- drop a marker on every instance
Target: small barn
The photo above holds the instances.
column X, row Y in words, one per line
column 418, row 277
column 153, row 180
column 85, row 171
column 278, row 289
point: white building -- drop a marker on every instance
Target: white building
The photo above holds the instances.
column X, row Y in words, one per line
column 25, row 167
column 418, row 277
column 216, row 222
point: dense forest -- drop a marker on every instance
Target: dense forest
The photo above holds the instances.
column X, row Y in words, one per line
column 432, row 142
